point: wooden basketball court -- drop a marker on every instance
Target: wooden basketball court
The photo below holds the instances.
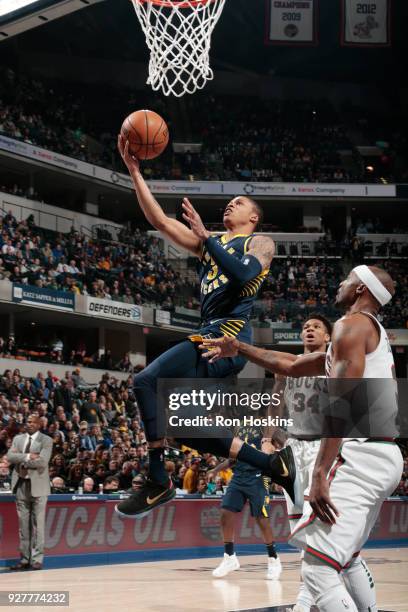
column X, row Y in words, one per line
column 187, row 585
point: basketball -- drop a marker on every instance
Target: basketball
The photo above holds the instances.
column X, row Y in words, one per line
column 147, row 134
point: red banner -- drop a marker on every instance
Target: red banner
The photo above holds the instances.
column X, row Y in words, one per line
column 81, row 527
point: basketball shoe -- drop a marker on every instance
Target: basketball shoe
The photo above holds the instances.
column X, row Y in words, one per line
column 282, row 471
column 149, row 496
column 274, row 569
column 227, row 565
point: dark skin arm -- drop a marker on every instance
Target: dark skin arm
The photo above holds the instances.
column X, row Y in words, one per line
column 277, row 362
column 349, row 351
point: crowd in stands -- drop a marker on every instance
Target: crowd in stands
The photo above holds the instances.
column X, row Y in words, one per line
column 255, row 140
column 132, row 273
column 98, row 437
column 136, row 272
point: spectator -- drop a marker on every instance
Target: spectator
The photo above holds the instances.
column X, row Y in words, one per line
column 111, row 485
column 88, row 485
column 58, row 485
column 190, row 479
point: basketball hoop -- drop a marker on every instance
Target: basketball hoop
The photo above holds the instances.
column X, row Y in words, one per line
column 178, row 35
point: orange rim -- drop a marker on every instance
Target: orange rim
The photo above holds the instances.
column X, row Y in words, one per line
column 178, row 3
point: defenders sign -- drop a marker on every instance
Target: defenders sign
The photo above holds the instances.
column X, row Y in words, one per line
column 47, row 298
column 292, row 22
column 108, row 309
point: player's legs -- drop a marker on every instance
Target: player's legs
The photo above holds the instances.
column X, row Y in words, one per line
column 258, row 497
column 229, row 562
column 233, row 502
column 362, row 478
column 185, row 361
column 305, row 453
column 360, row 584
column 326, row 586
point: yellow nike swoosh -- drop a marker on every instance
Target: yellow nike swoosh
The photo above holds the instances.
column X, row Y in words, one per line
column 285, row 473
column 153, row 500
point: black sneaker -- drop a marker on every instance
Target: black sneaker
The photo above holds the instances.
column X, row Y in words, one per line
column 282, row 471
column 149, row 496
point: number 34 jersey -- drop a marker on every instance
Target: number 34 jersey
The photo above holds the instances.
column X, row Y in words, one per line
column 306, row 400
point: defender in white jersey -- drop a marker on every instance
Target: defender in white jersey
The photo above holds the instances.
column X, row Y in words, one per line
column 349, row 483
column 352, row 477
column 305, row 402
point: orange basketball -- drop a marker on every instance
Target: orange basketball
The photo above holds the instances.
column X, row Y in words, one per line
column 147, row 134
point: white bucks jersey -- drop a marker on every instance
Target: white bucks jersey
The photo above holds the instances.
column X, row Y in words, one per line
column 379, row 395
column 306, row 399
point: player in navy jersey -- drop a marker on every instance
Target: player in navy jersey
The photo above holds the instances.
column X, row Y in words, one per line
column 247, row 484
column 233, row 268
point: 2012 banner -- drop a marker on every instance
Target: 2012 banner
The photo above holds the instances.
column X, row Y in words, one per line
column 292, row 22
column 366, row 24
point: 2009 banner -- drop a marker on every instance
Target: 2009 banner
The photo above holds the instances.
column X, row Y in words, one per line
column 292, row 22
column 366, row 24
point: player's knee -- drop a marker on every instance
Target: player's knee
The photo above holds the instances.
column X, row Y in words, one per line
column 143, row 379
column 319, row 578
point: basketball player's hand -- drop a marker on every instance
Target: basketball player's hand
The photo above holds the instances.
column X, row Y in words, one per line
column 219, row 348
column 267, row 447
column 194, row 220
column 320, row 501
column 34, row 455
column 131, row 161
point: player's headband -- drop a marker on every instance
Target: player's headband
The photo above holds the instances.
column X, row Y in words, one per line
column 374, row 285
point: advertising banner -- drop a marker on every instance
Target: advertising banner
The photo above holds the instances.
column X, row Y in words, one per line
column 47, row 298
column 119, row 311
column 90, row 525
column 227, row 188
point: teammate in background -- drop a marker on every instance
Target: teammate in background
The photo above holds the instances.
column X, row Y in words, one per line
column 233, row 268
column 350, row 483
column 247, row 484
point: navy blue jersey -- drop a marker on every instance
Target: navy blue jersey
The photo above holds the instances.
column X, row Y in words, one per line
column 222, row 297
column 244, row 474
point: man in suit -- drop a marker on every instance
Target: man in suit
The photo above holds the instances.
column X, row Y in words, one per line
column 30, row 455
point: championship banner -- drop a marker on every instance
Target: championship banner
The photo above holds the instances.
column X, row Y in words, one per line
column 119, row 311
column 47, row 298
column 291, row 22
column 366, row 24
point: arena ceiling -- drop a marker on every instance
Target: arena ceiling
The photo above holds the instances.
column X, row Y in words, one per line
column 110, row 30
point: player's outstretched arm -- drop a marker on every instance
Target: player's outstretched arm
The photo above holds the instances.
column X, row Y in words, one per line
column 174, row 230
column 277, row 362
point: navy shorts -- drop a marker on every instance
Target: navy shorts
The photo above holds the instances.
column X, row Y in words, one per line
column 256, row 494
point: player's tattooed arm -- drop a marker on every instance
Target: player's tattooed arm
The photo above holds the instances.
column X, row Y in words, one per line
column 263, row 248
column 174, row 230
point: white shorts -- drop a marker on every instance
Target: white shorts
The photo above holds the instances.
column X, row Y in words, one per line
column 362, row 477
column 305, row 453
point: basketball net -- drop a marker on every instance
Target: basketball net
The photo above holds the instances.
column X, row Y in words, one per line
column 178, row 35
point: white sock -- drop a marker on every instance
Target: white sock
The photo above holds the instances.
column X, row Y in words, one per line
column 325, row 586
column 360, row 584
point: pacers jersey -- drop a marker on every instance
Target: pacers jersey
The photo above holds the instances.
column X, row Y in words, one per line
column 378, row 398
column 244, row 473
column 220, row 296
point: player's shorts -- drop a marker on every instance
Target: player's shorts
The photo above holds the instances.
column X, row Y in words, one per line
column 305, row 453
column 362, row 477
column 256, row 494
column 217, row 328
